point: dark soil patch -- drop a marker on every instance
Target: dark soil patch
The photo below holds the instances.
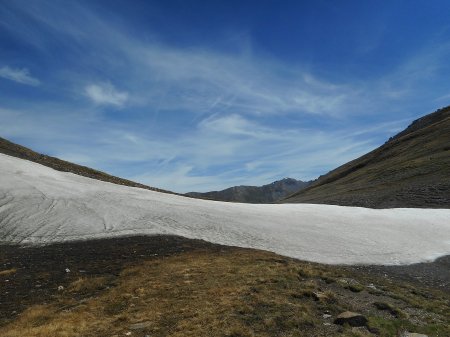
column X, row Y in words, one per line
column 41, row 270
column 433, row 274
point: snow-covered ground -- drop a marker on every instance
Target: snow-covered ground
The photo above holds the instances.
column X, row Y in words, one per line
column 40, row 205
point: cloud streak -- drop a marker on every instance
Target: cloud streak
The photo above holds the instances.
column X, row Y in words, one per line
column 21, row 76
column 106, row 94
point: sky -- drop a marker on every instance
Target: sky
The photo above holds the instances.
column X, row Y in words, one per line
column 204, row 95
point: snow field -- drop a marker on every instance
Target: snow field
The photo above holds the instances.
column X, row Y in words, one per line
column 39, row 205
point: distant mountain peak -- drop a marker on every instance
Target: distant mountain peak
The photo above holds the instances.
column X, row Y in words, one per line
column 268, row 193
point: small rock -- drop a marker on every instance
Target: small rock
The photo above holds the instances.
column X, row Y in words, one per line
column 128, row 333
column 67, row 270
column 60, row 288
column 351, row 318
column 139, row 326
column 318, row 296
column 347, row 280
column 412, row 334
column 326, row 316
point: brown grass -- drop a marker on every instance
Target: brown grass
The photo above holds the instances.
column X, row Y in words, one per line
column 8, row 272
column 86, row 285
column 232, row 293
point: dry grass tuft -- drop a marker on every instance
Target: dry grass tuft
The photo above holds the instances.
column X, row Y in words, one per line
column 8, row 272
column 85, row 285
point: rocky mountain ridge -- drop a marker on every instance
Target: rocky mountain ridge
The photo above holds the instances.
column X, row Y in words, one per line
column 255, row 194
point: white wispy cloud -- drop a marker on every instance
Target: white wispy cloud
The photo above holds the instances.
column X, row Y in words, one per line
column 206, row 81
column 443, row 98
column 230, row 125
column 19, row 75
column 221, row 151
column 201, row 80
column 225, row 109
column 106, row 94
column 194, row 79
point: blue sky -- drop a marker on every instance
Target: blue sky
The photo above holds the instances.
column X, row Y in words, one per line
column 203, row 95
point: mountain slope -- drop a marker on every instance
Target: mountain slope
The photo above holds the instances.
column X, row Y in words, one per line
column 254, row 194
column 412, row 169
column 22, row 152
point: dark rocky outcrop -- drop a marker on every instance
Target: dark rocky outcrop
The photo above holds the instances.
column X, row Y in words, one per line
column 351, row 318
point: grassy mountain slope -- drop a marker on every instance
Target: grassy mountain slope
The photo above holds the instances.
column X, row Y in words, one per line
column 412, row 169
column 254, row 194
column 22, row 152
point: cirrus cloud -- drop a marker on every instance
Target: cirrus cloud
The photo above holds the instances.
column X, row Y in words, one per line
column 19, row 75
column 106, row 94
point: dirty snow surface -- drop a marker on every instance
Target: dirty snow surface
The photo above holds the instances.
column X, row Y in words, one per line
column 40, row 205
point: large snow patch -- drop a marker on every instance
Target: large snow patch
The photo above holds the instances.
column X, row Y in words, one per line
column 40, row 205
